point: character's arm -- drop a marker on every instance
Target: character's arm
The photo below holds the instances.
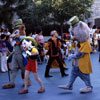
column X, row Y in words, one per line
column 76, row 56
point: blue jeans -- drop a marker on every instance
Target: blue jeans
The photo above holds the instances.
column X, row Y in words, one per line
column 75, row 73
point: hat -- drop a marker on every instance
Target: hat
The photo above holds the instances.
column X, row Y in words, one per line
column 74, row 20
column 18, row 23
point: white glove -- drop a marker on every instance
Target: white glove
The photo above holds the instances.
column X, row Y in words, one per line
column 29, row 53
column 71, row 56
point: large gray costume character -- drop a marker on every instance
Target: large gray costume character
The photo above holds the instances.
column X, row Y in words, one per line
column 17, row 58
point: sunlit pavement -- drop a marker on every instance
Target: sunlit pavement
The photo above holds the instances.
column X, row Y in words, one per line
column 51, row 85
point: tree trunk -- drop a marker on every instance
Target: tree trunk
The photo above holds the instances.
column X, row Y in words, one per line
column 61, row 29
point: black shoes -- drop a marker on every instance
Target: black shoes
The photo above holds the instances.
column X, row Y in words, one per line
column 65, row 68
column 47, row 76
column 65, row 75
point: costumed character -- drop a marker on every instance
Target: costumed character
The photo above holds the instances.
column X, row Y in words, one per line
column 53, row 52
column 17, row 57
column 82, row 62
column 32, row 65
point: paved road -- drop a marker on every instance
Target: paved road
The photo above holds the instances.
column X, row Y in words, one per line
column 52, row 91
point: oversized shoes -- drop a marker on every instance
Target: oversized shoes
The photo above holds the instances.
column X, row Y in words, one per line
column 8, row 86
column 41, row 90
column 23, row 91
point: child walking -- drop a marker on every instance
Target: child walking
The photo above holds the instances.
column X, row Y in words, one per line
column 32, row 66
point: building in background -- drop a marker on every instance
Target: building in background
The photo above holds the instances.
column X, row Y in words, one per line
column 95, row 15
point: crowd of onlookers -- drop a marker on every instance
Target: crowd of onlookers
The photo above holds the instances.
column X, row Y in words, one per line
column 94, row 38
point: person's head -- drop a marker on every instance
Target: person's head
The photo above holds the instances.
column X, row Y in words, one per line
column 54, row 33
column 89, row 24
column 3, row 36
column 30, row 34
column 39, row 31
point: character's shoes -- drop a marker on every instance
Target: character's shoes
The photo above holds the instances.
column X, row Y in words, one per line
column 41, row 90
column 47, row 76
column 86, row 90
column 65, row 87
column 65, row 75
column 65, row 68
column 95, row 50
column 8, row 86
column 23, row 91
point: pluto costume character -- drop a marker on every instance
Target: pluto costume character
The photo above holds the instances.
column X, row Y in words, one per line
column 82, row 62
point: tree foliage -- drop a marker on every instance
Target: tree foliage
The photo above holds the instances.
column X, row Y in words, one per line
column 44, row 12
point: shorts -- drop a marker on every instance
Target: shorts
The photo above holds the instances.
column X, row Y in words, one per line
column 32, row 66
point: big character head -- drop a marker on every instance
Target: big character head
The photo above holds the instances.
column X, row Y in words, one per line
column 27, row 44
column 80, row 30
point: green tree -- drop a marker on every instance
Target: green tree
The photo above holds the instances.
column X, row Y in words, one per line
column 43, row 12
column 8, row 9
column 62, row 10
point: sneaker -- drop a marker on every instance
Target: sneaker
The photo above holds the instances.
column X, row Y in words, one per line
column 65, row 87
column 86, row 90
column 95, row 51
column 41, row 90
column 23, row 91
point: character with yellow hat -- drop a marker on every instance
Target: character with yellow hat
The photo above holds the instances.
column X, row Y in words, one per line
column 17, row 58
column 32, row 65
column 82, row 63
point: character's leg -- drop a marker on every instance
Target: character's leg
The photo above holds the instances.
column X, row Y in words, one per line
column 25, row 82
column 22, row 67
column 74, row 74
column 40, row 83
column 48, row 67
column 13, row 76
column 86, row 79
column 61, row 67
column 26, row 78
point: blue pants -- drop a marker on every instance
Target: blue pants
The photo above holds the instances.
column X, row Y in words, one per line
column 75, row 73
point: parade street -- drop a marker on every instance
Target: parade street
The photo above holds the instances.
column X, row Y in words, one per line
column 51, row 85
